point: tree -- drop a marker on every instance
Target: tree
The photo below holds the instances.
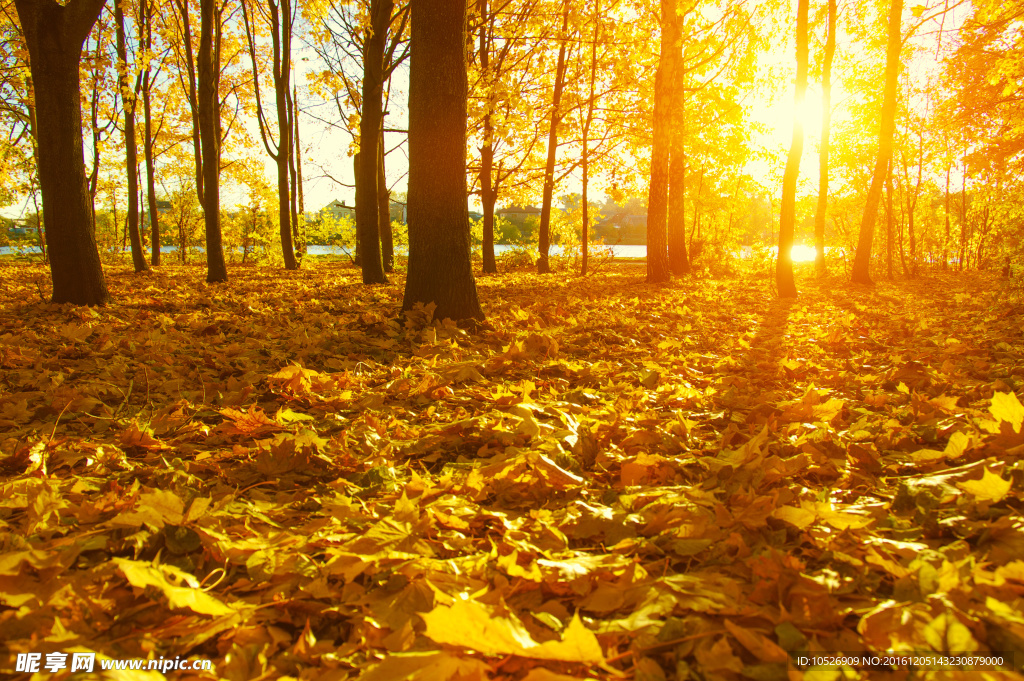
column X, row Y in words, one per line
column 131, row 157
column 826, row 120
column 549, row 170
column 861, row 271
column 787, row 215
column 54, row 35
column 280, row 17
column 146, row 47
column 657, row 202
column 440, row 269
column 345, row 34
column 187, row 72
column 502, row 80
column 209, row 134
column 587, row 122
column 713, row 57
column 370, row 127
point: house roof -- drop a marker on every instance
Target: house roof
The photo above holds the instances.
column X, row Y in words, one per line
column 518, row 209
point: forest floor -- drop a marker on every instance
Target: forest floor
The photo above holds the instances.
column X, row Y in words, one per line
column 607, row 479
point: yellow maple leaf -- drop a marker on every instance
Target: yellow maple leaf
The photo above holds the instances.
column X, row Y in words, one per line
column 468, row 624
column 1006, row 407
column 991, row 487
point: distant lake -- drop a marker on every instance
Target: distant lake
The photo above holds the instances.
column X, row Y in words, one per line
column 619, row 250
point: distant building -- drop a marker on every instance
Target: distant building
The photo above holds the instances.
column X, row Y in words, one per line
column 16, row 229
column 518, row 214
column 623, row 228
column 339, row 210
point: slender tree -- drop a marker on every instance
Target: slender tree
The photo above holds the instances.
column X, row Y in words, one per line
column 787, row 215
column 678, row 259
column 657, row 201
column 440, row 269
column 826, row 124
column 146, row 46
column 585, row 161
column 387, row 240
column 543, row 265
column 209, row 134
column 280, row 17
column 187, row 75
column 861, row 271
column 54, row 35
column 131, row 155
column 370, row 126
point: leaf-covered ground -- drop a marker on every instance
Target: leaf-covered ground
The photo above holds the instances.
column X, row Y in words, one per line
column 607, row 479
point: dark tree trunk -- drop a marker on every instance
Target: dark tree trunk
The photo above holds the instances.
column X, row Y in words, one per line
column 358, row 260
column 295, row 173
column 585, row 235
column 298, row 159
column 488, row 197
column 281, row 32
column 146, row 42
column 678, row 260
column 861, row 271
column 487, row 193
column 54, row 34
column 132, row 161
column 890, row 242
column 190, row 67
column 209, row 133
column 543, row 265
column 440, row 268
column 826, row 124
column 787, row 214
column 657, row 201
column 387, row 241
column 367, row 217
column 945, row 243
column 94, row 175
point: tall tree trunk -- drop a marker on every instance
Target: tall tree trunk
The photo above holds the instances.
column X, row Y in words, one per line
column 387, row 240
column 787, row 215
column 298, row 161
column 54, row 35
column 826, row 125
column 209, row 133
column 591, row 100
column 358, row 260
column 294, row 175
column 543, row 266
column 487, row 193
column 889, row 240
column 281, row 34
column 33, row 179
column 963, row 213
column 678, row 259
column 132, row 161
column 945, row 243
column 657, row 198
column 912, row 201
column 488, row 196
column 146, row 42
column 94, row 175
column 861, row 271
column 367, row 218
column 440, row 268
column 190, row 67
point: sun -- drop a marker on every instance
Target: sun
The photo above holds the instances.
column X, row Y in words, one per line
column 802, row 253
